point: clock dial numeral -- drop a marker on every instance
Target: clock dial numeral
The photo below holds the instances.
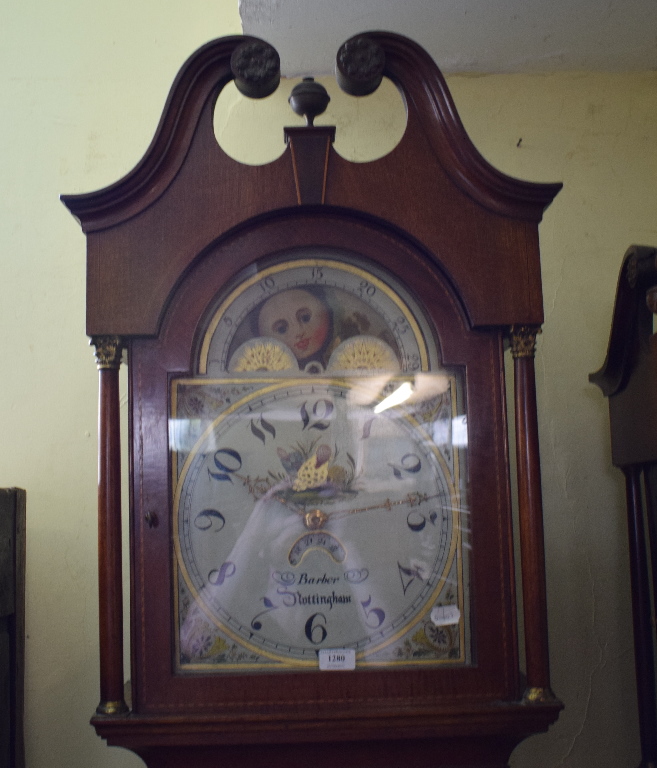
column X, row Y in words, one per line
column 266, row 426
column 417, row 521
column 223, row 459
column 256, row 624
column 321, row 410
column 374, row 617
column 366, row 289
column 209, row 519
column 410, row 462
column 217, row 576
column 315, row 628
column 267, row 285
column 400, row 325
column 408, row 576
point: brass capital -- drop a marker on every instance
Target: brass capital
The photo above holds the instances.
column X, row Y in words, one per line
column 523, row 340
column 112, row 708
column 538, row 696
column 108, row 351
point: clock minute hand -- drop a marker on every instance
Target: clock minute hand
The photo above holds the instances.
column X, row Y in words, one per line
column 315, row 519
column 410, row 500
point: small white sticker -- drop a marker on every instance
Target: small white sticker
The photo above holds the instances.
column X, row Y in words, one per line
column 442, row 615
column 337, row 658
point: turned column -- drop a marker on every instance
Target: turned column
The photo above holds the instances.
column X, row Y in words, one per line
column 530, row 511
column 641, row 614
column 108, row 359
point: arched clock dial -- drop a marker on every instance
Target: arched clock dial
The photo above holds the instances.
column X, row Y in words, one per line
column 317, row 303
column 310, row 517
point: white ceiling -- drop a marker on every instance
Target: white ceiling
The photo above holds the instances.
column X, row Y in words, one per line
column 481, row 36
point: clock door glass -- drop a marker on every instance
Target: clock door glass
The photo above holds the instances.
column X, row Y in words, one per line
column 319, row 479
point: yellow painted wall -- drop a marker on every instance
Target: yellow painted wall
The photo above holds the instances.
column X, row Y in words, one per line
column 82, row 86
column 596, row 133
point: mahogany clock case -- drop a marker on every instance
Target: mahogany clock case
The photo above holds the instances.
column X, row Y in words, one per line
column 164, row 246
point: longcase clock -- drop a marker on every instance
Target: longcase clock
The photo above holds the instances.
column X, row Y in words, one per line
column 321, row 533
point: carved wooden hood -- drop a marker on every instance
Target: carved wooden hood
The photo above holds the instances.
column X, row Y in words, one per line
column 187, row 193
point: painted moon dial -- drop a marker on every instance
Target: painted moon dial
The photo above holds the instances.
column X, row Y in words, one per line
column 312, row 304
column 307, row 519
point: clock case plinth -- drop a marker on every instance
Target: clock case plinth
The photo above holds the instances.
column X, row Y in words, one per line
column 463, row 237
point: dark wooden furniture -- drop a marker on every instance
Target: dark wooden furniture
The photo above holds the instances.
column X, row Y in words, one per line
column 163, row 244
column 629, row 379
column 12, row 626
